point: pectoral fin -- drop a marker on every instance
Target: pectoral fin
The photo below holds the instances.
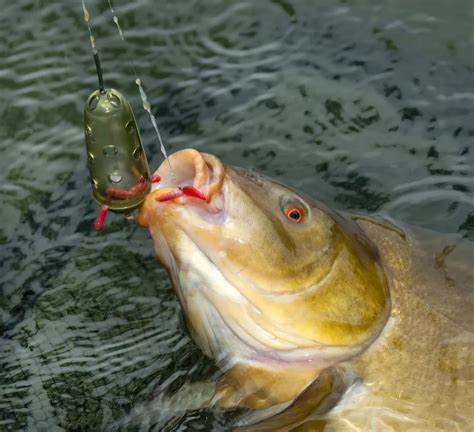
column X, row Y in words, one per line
column 314, row 401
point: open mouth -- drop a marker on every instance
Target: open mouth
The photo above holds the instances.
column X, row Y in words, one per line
column 189, row 170
column 187, row 177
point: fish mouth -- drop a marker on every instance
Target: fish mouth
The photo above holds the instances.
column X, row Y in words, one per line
column 188, row 177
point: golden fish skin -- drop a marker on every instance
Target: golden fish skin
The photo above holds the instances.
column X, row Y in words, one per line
column 372, row 319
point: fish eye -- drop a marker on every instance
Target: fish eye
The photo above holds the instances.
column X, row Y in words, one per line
column 294, row 214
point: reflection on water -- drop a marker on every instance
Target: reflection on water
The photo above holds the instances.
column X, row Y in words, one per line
column 365, row 107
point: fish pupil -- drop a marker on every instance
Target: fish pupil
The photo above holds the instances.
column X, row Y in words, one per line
column 295, row 214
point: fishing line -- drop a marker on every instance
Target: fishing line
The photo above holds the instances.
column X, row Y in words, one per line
column 95, row 53
column 138, row 82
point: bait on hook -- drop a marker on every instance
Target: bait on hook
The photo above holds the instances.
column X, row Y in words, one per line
column 189, row 191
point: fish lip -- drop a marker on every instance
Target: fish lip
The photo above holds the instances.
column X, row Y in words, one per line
column 187, row 167
column 190, row 167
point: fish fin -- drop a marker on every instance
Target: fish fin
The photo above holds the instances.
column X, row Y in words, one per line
column 257, row 387
column 314, row 401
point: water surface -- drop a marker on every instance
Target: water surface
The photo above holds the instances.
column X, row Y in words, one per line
column 366, row 107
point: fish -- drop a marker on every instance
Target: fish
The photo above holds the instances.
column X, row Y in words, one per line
column 318, row 319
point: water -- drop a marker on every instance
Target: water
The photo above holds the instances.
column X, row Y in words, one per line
column 364, row 106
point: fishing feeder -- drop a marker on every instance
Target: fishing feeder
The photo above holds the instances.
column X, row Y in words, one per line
column 116, row 158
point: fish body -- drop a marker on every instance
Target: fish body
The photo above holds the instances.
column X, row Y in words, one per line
column 319, row 320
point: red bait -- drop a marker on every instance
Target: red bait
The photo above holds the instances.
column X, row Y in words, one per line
column 168, row 196
column 193, row 192
column 137, row 188
column 190, row 191
column 99, row 220
column 113, row 192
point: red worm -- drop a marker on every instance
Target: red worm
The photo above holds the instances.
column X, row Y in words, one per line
column 193, row 192
column 170, row 195
column 113, row 192
column 99, row 220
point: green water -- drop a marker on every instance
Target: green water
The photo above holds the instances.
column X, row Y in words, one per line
column 367, row 107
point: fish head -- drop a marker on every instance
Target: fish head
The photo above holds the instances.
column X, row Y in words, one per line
column 264, row 274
